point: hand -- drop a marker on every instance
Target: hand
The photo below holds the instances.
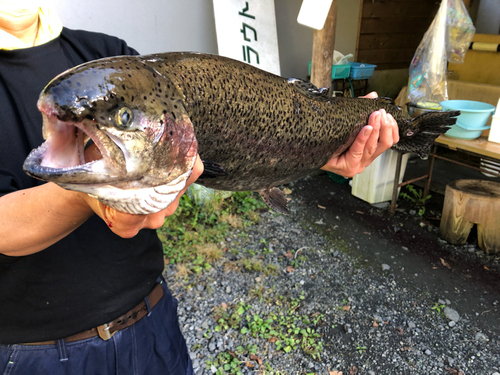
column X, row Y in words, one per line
column 380, row 134
column 128, row 225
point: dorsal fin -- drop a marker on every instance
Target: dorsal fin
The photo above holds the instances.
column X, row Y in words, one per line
column 309, row 90
column 385, row 99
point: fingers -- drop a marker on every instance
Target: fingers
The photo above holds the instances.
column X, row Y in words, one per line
column 385, row 140
column 358, row 148
column 380, row 134
column 350, row 163
column 372, row 144
column 395, row 132
column 361, row 153
column 389, row 132
column 372, row 95
column 197, row 171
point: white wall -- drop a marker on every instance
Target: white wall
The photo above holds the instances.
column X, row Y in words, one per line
column 295, row 40
column 147, row 25
column 167, row 25
column 488, row 17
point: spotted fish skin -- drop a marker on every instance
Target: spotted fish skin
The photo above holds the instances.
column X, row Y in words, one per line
column 253, row 130
column 266, row 130
column 260, row 127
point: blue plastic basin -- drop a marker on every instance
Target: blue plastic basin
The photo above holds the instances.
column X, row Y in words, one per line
column 472, row 120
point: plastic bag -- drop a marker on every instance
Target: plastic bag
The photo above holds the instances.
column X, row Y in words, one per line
column 200, row 194
column 459, row 31
column 340, row 59
column 447, row 39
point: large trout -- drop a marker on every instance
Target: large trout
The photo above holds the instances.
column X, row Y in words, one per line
column 150, row 115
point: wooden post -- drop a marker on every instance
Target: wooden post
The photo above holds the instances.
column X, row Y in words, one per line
column 322, row 52
column 469, row 202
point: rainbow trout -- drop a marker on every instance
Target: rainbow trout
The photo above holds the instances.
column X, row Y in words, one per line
column 149, row 116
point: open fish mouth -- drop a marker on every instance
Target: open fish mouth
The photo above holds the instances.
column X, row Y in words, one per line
column 109, row 164
column 61, row 158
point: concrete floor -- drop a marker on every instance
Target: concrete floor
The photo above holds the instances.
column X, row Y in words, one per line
column 407, row 242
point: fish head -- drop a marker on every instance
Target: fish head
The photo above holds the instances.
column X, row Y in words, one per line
column 134, row 116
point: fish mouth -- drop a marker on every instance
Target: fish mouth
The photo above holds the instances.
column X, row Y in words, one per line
column 62, row 157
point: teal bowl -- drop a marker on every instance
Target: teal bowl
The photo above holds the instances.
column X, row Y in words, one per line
column 472, row 120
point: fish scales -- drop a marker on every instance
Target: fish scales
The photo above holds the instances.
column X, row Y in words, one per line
column 261, row 119
column 148, row 116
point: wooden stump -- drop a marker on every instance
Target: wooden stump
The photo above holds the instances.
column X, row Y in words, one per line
column 469, row 202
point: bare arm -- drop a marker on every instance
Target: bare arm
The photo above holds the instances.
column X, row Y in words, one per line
column 33, row 219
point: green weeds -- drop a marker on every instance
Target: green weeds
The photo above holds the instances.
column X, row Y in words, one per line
column 229, row 317
column 225, row 363
column 191, row 227
column 438, row 309
column 361, row 349
column 284, row 326
column 416, row 196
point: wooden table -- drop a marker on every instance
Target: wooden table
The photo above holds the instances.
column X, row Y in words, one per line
column 479, row 147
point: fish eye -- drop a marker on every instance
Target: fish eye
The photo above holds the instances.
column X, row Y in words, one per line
column 124, row 117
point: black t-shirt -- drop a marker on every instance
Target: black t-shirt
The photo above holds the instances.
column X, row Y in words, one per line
column 92, row 276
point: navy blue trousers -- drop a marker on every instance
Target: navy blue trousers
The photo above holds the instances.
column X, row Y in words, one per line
column 152, row 346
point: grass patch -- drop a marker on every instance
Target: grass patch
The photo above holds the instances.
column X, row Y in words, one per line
column 209, row 251
column 233, row 220
column 258, row 291
column 187, row 232
column 252, row 264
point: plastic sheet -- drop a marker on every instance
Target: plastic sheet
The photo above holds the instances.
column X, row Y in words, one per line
column 200, row 194
column 447, row 39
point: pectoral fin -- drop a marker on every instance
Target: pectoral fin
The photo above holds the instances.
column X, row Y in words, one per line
column 275, row 199
column 212, row 169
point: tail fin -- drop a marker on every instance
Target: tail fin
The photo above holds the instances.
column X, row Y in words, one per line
column 419, row 133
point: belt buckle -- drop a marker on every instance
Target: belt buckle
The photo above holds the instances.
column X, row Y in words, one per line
column 104, row 333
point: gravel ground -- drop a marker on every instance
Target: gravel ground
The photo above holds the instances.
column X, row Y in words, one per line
column 376, row 314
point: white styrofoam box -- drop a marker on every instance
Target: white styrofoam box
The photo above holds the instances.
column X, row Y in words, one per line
column 495, row 125
column 495, row 128
column 375, row 183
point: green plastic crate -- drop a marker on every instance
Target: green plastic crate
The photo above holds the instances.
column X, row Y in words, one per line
column 338, row 71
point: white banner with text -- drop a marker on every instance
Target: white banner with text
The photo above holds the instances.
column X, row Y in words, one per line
column 246, row 31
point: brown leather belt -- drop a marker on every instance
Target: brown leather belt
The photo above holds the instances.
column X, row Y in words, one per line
column 107, row 330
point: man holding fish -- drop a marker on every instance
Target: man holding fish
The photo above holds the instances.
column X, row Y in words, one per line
column 81, row 289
